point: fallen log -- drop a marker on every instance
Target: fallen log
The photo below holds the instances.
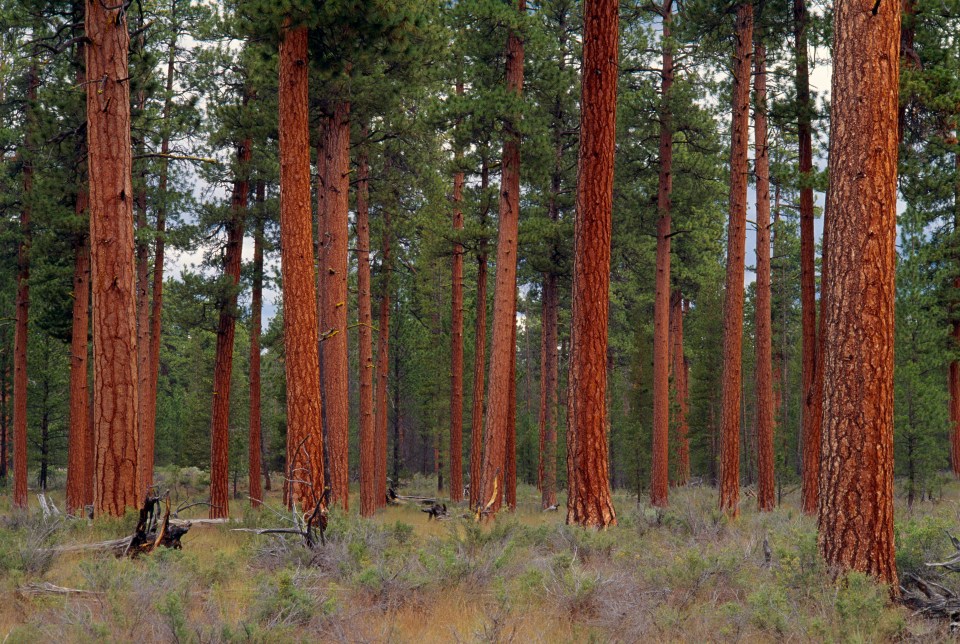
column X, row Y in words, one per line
column 931, row 599
column 46, row 588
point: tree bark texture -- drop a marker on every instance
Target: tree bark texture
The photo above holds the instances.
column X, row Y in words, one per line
column 549, row 376
column 226, row 332
column 590, row 503
column 810, row 409
column 479, row 352
column 659, row 483
column 304, row 432
column 21, row 327
column 766, row 498
column 78, row 468
column 954, row 373
column 113, row 282
column 383, row 368
column 456, row 341
column 493, row 471
column 678, row 368
column 333, row 320
column 368, row 453
column 149, row 406
column 736, row 240
column 143, row 314
column 510, row 462
column 856, row 480
column 255, row 441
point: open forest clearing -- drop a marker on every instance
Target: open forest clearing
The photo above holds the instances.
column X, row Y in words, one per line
column 686, row 573
column 261, row 261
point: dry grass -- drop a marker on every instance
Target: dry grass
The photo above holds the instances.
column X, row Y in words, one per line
column 683, row 574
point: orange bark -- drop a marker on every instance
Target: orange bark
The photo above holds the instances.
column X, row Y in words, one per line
column 589, row 502
column 736, row 240
column 78, row 468
column 304, row 433
column 226, row 332
column 493, row 470
column 659, row 482
column 116, row 398
column 856, row 480
column 368, row 454
column 766, row 498
column 333, row 282
column 383, row 369
column 479, row 354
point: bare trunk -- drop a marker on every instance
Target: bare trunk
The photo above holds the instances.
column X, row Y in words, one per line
column 736, row 240
column 23, row 308
column 143, row 312
column 78, row 468
column 304, row 434
column 679, row 374
column 810, row 408
column 510, row 469
column 456, row 341
column 368, row 454
column 383, row 370
column 479, row 354
column 590, row 502
column 659, row 482
column 226, row 332
column 333, row 318
column 493, row 471
column 255, row 461
column 764, row 359
column 856, row 480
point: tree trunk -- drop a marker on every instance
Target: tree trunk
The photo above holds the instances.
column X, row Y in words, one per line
column 954, row 376
column 23, row 307
column 590, row 503
column 856, row 483
column 255, row 461
column 736, row 240
column 661, row 307
column 679, row 374
column 810, row 416
column 456, row 340
column 4, row 424
column 548, row 393
column 143, row 311
column 383, row 370
column 368, row 454
column 764, row 351
column 149, row 406
column 333, row 277
column 226, row 332
column 78, row 468
column 113, row 281
column 493, row 471
column 304, row 432
column 479, row 351
column 510, row 462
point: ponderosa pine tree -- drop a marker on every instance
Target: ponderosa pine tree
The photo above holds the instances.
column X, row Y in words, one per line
column 116, row 402
column 679, row 369
column 856, row 479
column 456, row 336
column 810, row 412
column 78, row 467
column 736, row 240
column 763, row 369
column 590, row 503
column 479, row 349
column 305, row 463
column 332, row 284
column 368, row 455
column 255, row 462
column 23, row 306
column 659, row 483
column 226, row 332
column 493, row 470
column 383, row 366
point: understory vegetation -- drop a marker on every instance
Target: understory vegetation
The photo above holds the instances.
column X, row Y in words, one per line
column 686, row 573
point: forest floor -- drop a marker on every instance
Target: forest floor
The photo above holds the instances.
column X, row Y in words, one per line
column 682, row 574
